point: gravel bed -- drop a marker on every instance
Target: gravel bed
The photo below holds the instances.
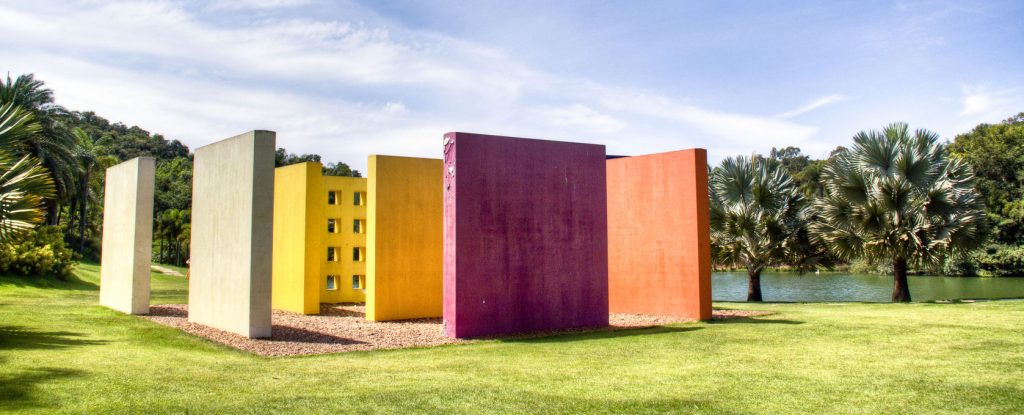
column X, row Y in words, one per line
column 343, row 328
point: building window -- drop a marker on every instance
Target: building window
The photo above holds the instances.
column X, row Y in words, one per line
column 359, row 199
column 357, row 226
column 332, row 282
column 357, row 254
column 332, row 254
column 357, row 282
column 330, row 226
column 332, row 198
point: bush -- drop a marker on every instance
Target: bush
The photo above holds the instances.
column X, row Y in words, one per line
column 40, row 253
column 869, row 267
column 91, row 250
column 960, row 266
column 1001, row 260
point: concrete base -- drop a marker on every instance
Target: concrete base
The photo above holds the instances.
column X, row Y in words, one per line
column 127, row 236
column 232, row 234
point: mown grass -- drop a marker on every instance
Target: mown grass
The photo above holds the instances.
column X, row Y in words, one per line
column 59, row 352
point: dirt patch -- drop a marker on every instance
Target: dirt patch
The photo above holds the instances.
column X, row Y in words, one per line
column 343, row 328
column 165, row 270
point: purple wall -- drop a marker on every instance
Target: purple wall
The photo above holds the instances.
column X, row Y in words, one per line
column 525, row 235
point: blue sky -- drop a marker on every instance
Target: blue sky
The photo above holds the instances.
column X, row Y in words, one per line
column 348, row 79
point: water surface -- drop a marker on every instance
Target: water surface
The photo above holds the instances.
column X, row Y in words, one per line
column 826, row 287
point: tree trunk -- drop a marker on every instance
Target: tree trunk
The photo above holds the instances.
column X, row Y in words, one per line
column 84, row 202
column 72, row 208
column 900, row 288
column 754, row 290
column 52, row 212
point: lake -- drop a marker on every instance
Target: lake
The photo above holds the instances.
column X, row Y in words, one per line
column 826, row 287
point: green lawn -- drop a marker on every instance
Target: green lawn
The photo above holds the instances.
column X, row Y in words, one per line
column 59, row 352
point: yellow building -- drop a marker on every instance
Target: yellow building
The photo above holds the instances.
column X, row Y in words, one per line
column 319, row 238
column 406, row 238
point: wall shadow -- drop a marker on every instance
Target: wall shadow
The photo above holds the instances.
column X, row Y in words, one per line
column 20, row 337
column 597, row 334
column 297, row 335
column 753, row 320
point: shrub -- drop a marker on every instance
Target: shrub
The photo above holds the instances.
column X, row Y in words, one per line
column 38, row 253
column 864, row 266
column 1001, row 260
column 960, row 266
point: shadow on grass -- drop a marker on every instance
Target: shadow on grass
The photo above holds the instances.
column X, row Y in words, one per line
column 18, row 337
column 71, row 283
column 20, row 390
column 753, row 320
column 517, row 396
column 596, row 334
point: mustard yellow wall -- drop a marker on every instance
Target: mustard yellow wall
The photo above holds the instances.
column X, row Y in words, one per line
column 404, row 241
column 297, row 213
column 345, row 211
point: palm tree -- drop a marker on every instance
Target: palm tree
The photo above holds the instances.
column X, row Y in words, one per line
column 24, row 183
column 53, row 144
column 89, row 156
column 756, row 211
column 897, row 196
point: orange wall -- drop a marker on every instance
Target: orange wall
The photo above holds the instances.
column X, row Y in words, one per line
column 659, row 247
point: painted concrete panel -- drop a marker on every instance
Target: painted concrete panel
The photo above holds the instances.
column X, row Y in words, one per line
column 525, row 235
column 232, row 234
column 659, row 248
column 404, row 243
column 298, row 224
column 127, row 236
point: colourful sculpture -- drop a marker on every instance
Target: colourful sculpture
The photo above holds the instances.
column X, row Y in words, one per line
column 404, row 255
column 525, row 235
column 659, row 249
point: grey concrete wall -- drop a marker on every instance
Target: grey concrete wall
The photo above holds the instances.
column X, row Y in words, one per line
column 232, row 234
column 127, row 236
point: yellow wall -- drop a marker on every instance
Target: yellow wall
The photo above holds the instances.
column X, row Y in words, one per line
column 405, row 237
column 301, row 239
column 345, row 211
column 297, row 213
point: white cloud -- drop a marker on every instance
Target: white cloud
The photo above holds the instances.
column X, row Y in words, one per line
column 818, row 103
column 580, row 116
column 343, row 89
column 982, row 102
column 254, row 4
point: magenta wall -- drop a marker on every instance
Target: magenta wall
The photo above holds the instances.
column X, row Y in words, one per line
column 525, row 235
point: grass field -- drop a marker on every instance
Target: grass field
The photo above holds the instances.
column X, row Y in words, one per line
column 59, row 352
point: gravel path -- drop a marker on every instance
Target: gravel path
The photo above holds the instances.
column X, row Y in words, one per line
column 343, row 328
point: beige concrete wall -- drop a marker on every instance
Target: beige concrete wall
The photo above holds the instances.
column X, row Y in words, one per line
column 232, row 234
column 127, row 236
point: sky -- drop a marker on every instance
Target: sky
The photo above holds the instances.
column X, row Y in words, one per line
column 346, row 79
